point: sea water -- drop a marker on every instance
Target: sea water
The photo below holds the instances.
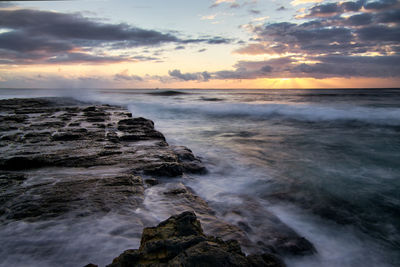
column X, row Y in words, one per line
column 325, row 162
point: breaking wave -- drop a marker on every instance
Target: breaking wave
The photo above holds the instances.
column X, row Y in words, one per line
column 304, row 113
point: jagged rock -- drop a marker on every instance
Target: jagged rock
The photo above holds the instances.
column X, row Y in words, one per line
column 66, row 136
column 151, row 181
column 170, row 169
column 35, row 141
column 180, row 241
column 188, row 161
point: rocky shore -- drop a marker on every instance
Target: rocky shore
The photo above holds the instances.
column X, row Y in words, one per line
column 60, row 158
column 180, row 241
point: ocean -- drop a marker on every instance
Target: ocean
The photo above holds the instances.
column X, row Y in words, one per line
column 325, row 162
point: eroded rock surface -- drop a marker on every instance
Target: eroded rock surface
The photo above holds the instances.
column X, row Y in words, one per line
column 50, row 147
column 63, row 159
column 180, row 241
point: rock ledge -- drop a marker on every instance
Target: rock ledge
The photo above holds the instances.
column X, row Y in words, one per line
column 180, row 241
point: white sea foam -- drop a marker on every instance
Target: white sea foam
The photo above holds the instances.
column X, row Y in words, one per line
column 300, row 112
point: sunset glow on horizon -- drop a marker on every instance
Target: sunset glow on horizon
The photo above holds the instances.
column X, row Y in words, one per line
column 204, row 44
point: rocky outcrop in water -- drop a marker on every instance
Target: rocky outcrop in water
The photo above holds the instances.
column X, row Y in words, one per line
column 50, row 147
column 62, row 161
column 180, row 241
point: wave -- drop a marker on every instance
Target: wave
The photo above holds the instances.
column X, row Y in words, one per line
column 166, row 93
column 305, row 113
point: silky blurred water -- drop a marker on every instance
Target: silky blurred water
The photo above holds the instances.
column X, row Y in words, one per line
column 326, row 162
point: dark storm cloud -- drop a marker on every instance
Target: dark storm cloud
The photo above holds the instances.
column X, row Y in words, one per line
column 380, row 33
column 327, row 67
column 355, row 66
column 360, row 19
column 390, row 16
column 22, row 42
column 33, row 31
column 325, row 9
column 357, row 32
column 330, row 9
column 76, row 27
column 341, row 39
column 382, row 4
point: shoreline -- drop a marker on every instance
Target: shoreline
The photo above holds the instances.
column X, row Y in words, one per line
column 99, row 159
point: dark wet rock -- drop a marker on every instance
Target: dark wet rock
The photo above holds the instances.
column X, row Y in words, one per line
column 176, row 191
column 105, row 195
column 7, row 180
column 16, row 137
column 266, row 229
column 176, row 198
column 112, row 137
column 180, row 241
column 14, row 118
column 151, row 181
column 89, row 109
column 48, row 124
column 138, row 129
column 50, row 171
column 66, row 136
column 188, row 161
column 126, row 124
column 170, row 169
column 22, row 163
column 81, row 169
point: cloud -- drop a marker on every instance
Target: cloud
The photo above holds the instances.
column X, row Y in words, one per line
column 254, row 11
column 300, row 2
column 336, row 39
column 380, row 33
column 354, row 66
column 360, row 19
column 77, row 28
column 323, row 67
column 357, row 33
column 218, row 2
column 382, row 4
column 82, row 58
column 260, row 19
column 209, row 17
column 198, row 76
column 331, row 9
column 125, row 76
column 51, row 37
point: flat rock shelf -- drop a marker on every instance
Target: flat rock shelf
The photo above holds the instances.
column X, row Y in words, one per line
column 62, row 160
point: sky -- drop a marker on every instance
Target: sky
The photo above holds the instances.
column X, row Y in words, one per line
column 200, row 44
